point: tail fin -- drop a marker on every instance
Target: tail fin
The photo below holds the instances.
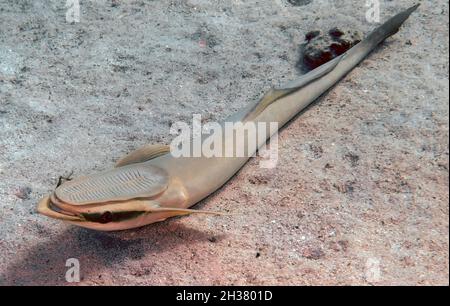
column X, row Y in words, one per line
column 343, row 63
column 389, row 28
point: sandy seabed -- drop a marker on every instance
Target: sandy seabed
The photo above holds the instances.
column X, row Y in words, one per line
column 360, row 192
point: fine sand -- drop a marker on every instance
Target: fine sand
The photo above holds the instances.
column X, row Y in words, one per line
column 360, row 191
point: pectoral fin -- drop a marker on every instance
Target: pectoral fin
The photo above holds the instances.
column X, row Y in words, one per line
column 143, row 154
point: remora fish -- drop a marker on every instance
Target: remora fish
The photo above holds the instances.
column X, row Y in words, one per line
column 150, row 184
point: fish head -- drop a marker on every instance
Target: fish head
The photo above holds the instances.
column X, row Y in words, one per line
column 111, row 216
column 117, row 199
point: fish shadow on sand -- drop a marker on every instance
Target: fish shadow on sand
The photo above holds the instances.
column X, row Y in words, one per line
column 45, row 263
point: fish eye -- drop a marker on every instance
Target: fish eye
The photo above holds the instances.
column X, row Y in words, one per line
column 105, row 217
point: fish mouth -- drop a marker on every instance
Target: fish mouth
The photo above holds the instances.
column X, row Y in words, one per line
column 51, row 206
column 47, row 208
column 120, row 190
column 103, row 216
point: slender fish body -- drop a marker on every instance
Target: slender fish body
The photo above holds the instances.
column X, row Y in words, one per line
column 150, row 185
column 211, row 173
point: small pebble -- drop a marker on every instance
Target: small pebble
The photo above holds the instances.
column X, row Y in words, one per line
column 299, row 2
column 312, row 34
column 23, row 192
column 212, row 239
column 313, row 253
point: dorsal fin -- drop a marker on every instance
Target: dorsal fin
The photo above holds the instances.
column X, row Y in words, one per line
column 275, row 93
column 143, row 154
